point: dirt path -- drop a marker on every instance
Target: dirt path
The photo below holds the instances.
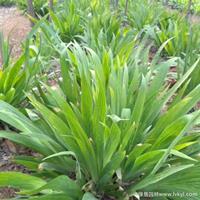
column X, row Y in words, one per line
column 15, row 27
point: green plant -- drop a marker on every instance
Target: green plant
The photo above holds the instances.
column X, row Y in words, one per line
column 103, row 34
column 189, row 57
column 144, row 14
column 68, row 23
column 40, row 7
column 4, row 50
column 183, row 5
column 7, row 2
column 104, row 132
column 16, row 77
column 183, row 41
column 184, row 37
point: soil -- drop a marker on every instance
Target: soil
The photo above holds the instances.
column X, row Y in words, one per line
column 15, row 27
column 7, row 151
column 195, row 19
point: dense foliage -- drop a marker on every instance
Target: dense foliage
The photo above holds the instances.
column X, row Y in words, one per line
column 40, row 7
column 7, row 2
column 183, row 5
column 121, row 118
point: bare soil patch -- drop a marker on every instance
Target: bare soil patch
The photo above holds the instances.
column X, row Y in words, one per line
column 15, row 27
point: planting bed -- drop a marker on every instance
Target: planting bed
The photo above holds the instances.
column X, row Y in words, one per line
column 99, row 100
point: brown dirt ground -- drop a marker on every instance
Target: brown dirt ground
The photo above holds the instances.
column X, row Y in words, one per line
column 7, row 151
column 15, row 27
